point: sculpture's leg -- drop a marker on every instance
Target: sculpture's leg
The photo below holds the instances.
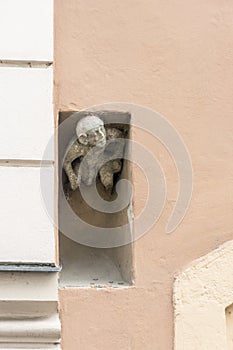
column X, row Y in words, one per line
column 106, row 172
column 106, row 176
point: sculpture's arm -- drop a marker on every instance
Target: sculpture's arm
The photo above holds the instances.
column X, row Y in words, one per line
column 115, row 150
column 75, row 151
column 113, row 134
column 73, row 179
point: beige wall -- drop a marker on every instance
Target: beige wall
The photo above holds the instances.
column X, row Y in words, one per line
column 175, row 57
column 203, row 302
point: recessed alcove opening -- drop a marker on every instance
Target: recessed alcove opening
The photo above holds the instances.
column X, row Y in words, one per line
column 90, row 266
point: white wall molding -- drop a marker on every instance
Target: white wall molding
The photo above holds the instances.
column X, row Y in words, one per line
column 29, row 346
column 28, row 300
column 27, row 125
column 30, row 328
column 25, row 64
column 25, row 163
column 27, row 232
column 28, row 311
column 202, row 292
column 26, row 30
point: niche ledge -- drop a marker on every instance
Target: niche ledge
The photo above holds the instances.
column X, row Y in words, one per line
column 93, row 267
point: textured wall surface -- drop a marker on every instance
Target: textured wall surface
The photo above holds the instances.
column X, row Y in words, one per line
column 202, row 293
column 175, row 57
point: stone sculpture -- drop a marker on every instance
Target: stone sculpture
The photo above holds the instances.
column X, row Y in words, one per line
column 96, row 143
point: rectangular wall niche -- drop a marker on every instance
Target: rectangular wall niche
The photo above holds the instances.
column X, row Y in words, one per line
column 83, row 265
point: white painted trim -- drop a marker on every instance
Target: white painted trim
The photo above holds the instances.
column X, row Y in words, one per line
column 26, row 30
column 28, row 311
column 28, row 286
column 32, row 330
column 202, row 292
column 27, row 125
column 28, row 300
column 26, row 230
column 29, row 346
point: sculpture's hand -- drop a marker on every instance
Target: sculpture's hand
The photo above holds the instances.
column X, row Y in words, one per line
column 74, row 182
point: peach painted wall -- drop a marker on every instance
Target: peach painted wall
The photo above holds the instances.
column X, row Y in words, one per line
column 174, row 57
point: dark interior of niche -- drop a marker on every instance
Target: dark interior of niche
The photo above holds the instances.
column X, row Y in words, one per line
column 88, row 266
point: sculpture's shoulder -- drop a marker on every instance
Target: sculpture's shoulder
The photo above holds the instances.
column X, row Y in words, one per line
column 114, row 132
column 75, row 150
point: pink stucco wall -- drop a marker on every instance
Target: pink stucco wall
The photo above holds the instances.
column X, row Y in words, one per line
column 174, row 57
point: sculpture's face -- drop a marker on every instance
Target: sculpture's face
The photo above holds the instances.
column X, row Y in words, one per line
column 97, row 136
column 91, row 132
column 94, row 137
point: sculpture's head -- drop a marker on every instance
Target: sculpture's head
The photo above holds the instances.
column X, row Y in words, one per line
column 91, row 132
